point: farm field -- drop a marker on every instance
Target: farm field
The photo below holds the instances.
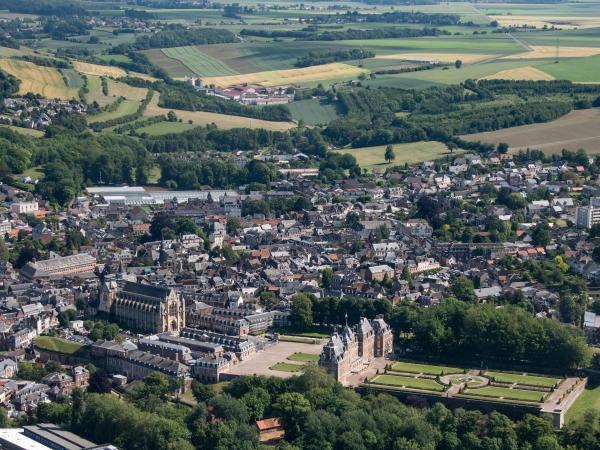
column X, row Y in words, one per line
column 372, row 157
column 573, row 131
column 45, row 81
column 161, row 128
column 74, row 78
column 576, row 69
column 97, row 69
column 466, row 58
column 125, row 108
column 118, row 89
column 333, row 71
column 197, row 62
column 589, row 399
column 402, row 366
column 527, row 380
column 549, row 52
column 511, row 394
column 408, row 382
column 521, row 73
column 312, row 112
column 172, row 66
column 94, row 93
column 221, row 120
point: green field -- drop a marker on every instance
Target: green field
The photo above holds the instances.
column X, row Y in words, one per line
column 588, row 400
column 312, row 111
column 511, row 394
column 574, row 69
column 74, row 78
column 198, row 62
column 25, row 131
column 126, row 107
column 287, row 367
column 408, row 382
column 57, row 345
column 303, row 357
column 527, row 380
column 161, row 128
column 372, row 157
column 402, row 366
column 299, row 339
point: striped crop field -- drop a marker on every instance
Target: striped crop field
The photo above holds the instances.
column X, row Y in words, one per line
column 46, row 81
column 198, row 62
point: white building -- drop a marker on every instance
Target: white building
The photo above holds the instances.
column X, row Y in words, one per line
column 586, row 216
column 24, row 207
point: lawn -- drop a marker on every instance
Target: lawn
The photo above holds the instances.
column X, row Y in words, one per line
column 34, row 173
column 511, row 394
column 299, row 339
column 287, row 367
column 402, row 366
column 313, row 111
column 588, row 400
column 125, row 107
column 303, row 357
column 26, row 131
column 372, row 157
column 58, row 345
column 408, row 382
column 527, row 380
column 158, row 129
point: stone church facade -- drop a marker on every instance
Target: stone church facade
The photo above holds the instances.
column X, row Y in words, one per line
column 144, row 307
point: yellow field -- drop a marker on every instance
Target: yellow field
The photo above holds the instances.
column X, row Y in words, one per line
column 521, row 73
column 97, row 69
column 45, row 81
column 467, row 58
column 221, row 120
column 289, row 76
column 118, row 89
column 549, row 51
column 563, row 22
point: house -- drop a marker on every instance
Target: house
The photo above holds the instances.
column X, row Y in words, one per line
column 270, row 431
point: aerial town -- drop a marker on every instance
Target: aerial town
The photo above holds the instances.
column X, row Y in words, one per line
column 366, row 225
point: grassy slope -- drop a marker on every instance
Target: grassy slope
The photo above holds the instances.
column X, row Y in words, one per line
column 161, row 128
column 125, row 108
column 589, row 399
column 312, row 112
column 57, row 345
column 372, row 157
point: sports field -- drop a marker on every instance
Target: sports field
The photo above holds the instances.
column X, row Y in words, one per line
column 526, row 380
column 510, row 394
column 46, row 81
column 408, row 382
column 578, row 129
column 402, row 366
column 221, row 120
column 373, row 157
column 333, row 71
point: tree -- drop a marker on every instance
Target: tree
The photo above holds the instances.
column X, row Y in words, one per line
column 202, row 392
column 451, row 146
column 502, row 147
column 4, row 253
column 540, row 234
column 233, row 225
column 302, row 315
column 326, row 278
column 463, row 289
column 389, row 154
column 292, row 407
column 596, row 254
column 99, row 382
column 458, row 63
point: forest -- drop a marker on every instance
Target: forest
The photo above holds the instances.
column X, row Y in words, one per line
column 317, row 414
column 316, row 58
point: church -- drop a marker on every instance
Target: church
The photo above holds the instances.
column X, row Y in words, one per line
column 143, row 307
column 352, row 350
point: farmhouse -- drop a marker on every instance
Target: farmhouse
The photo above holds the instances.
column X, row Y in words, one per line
column 249, row 94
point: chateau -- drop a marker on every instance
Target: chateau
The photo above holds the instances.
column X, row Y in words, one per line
column 144, row 307
column 352, row 350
